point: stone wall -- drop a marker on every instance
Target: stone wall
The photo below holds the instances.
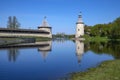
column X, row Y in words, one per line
column 25, row 34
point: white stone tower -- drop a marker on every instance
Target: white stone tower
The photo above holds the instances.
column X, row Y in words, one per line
column 79, row 27
column 45, row 27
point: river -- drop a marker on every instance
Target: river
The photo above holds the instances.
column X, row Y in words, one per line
column 55, row 60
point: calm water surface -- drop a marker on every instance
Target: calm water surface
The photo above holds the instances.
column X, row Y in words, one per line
column 53, row 61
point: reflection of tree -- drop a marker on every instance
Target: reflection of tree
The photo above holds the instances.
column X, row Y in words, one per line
column 12, row 54
column 112, row 48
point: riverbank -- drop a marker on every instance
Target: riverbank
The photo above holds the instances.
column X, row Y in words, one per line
column 8, row 41
column 108, row 70
column 16, row 40
column 98, row 39
column 37, row 39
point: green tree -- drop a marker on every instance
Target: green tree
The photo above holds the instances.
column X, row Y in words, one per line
column 115, row 32
column 96, row 30
column 110, row 30
column 9, row 22
column 13, row 23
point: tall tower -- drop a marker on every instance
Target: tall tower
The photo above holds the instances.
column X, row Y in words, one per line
column 79, row 27
column 45, row 26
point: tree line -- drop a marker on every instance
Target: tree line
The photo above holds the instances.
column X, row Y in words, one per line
column 13, row 23
column 63, row 35
column 110, row 30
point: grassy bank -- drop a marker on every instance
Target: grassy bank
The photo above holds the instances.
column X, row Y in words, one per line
column 42, row 39
column 109, row 70
column 38, row 38
column 16, row 40
column 95, row 39
column 8, row 41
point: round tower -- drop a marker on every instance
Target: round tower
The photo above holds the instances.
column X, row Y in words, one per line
column 79, row 27
column 45, row 27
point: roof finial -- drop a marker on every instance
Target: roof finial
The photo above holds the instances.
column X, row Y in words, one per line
column 80, row 14
column 45, row 17
column 44, row 23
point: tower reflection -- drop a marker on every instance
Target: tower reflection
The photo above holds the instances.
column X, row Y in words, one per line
column 45, row 49
column 79, row 49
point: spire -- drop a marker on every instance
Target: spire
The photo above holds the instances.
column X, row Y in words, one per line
column 80, row 15
column 44, row 22
column 44, row 55
column 80, row 19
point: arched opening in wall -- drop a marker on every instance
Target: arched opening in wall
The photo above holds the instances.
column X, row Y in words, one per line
column 78, row 29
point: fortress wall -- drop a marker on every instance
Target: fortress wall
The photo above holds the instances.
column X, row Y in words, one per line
column 25, row 34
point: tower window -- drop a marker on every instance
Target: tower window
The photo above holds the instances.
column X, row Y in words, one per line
column 78, row 29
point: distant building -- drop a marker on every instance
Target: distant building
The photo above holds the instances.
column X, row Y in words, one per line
column 43, row 31
column 79, row 27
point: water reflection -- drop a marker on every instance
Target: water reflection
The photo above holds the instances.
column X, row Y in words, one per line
column 45, row 50
column 13, row 54
column 79, row 50
column 44, row 47
column 60, row 40
column 101, row 51
column 110, row 48
column 63, row 59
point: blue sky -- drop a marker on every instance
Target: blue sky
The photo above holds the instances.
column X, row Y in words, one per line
column 61, row 14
